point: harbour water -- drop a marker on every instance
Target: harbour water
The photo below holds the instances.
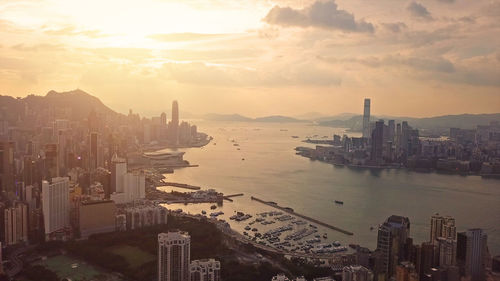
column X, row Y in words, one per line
column 258, row 159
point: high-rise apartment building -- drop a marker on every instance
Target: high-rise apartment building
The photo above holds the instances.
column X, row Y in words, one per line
column 118, row 170
column 366, row 119
column 205, row 270
column 173, row 256
column 442, row 227
column 356, row 273
column 55, row 207
column 16, row 224
column 447, row 249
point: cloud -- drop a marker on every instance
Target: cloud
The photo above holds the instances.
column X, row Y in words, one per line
column 437, row 64
column 395, row 26
column 419, row 38
column 419, row 11
column 180, row 37
column 198, row 73
column 320, row 14
column 39, row 47
column 73, row 31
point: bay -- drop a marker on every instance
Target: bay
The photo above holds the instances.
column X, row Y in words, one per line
column 258, row 159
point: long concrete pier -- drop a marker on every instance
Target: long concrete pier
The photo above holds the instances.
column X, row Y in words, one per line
column 181, row 185
column 287, row 210
column 228, row 197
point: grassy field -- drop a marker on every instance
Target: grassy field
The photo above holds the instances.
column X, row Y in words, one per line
column 133, row 255
column 68, row 267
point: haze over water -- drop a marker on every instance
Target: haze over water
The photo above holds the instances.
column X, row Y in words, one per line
column 272, row 171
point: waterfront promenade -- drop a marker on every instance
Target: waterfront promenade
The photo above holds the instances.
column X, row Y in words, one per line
column 287, row 210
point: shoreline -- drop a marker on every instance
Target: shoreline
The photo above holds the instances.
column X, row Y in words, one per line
column 401, row 167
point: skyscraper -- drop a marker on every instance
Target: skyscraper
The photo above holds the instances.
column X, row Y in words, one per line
column 173, row 256
column 118, row 170
column 7, row 166
column 391, row 243
column 391, row 130
column 377, row 143
column 366, row 119
column 472, row 251
column 51, row 161
column 55, row 207
column 205, row 270
column 93, row 154
column 174, row 124
column 163, row 119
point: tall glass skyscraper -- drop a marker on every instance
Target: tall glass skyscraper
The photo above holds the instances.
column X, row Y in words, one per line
column 366, row 119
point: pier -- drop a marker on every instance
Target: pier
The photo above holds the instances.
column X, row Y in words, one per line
column 291, row 212
column 228, row 197
column 181, row 185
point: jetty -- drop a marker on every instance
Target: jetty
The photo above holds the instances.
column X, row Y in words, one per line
column 228, row 197
column 181, row 185
column 291, row 212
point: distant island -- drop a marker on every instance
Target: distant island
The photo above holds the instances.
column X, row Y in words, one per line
column 438, row 125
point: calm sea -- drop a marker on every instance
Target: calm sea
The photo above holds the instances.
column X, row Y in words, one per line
column 266, row 166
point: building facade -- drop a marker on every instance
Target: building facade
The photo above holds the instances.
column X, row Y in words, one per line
column 174, row 256
column 55, row 207
column 204, row 270
column 356, row 273
column 366, row 119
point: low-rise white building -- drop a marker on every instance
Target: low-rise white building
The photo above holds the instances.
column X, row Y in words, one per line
column 205, row 270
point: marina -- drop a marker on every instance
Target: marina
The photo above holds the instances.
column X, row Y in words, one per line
column 285, row 209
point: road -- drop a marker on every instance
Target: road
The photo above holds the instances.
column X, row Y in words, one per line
column 16, row 264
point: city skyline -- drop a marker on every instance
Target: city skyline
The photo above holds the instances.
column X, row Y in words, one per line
column 411, row 56
column 250, row 140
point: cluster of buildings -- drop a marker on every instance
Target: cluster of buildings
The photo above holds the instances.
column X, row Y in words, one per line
column 175, row 132
column 447, row 256
column 63, row 177
column 174, row 260
column 394, row 144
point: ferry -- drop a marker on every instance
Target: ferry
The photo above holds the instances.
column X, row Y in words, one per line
column 339, row 202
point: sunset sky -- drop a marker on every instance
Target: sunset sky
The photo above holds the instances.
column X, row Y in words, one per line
column 258, row 57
